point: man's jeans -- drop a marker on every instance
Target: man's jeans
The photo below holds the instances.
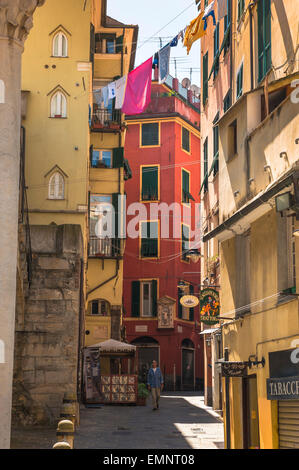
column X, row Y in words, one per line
column 155, row 396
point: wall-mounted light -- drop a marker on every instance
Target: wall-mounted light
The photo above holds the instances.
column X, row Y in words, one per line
column 194, row 255
column 182, row 285
column 251, row 180
column 267, row 168
column 283, row 201
column 283, row 155
column 236, row 193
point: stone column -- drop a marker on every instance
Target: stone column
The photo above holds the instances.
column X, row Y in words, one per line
column 15, row 23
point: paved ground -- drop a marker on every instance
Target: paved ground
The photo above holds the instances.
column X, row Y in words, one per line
column 182, row 422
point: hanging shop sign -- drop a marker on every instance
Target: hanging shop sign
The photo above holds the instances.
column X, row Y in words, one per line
column 189, row 301
column 233, row 369
column 209, row 306
column 283, row 388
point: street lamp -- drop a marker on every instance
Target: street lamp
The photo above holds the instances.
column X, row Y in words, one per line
column 181, row 285
column 193, row 255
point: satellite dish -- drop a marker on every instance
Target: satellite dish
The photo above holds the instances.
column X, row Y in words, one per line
column 186, row 83
column 195, row 89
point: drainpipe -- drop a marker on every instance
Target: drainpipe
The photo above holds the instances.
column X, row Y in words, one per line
column 227, row 405
column 107, row 280
column 251, row 5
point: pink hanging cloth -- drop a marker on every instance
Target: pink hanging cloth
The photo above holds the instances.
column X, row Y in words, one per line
column 138, row 91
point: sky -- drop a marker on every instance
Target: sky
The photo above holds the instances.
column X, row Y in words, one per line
column 153, row 15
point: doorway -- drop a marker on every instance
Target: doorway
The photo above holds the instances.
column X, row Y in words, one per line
column 251, row 437
column 187, row 378
column 148, row 351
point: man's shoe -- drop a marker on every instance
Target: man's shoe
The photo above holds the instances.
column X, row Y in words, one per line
column 154, row 409
column 157, row 406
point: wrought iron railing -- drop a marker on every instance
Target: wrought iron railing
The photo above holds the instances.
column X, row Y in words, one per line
column 104, row 247
column 106, row 118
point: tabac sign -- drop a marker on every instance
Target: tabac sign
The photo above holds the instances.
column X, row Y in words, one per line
column 209, row 306
column 284, row 388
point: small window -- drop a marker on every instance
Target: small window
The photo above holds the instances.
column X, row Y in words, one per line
column 101, row 159
column 60, row 45
column 227, row 101
column 99, row 307
column 205, row 81
column 56, row 186
column 149, row 246
column 149, row 183
column 150, row 134
column 186, row 195
column 240, row 82
column 185, row 241
column 185, row 139
column 58, row 105
column 232, row 139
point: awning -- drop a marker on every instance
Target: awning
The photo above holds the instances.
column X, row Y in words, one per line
column 113, row 346
column 209, row 331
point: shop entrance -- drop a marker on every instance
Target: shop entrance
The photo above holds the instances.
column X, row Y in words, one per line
column 250, row 413
column 187, row 365
column 288, row 424
column 148, row 350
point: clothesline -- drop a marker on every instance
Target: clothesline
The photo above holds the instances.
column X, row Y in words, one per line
column 132, row 92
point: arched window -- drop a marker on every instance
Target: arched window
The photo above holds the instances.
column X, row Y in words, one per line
column 56, row 186
column 58, row 105
column 60, row 45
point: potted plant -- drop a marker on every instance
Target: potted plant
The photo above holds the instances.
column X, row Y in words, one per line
column 142, row 395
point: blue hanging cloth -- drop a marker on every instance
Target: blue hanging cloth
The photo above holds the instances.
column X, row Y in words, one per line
column 175, row 41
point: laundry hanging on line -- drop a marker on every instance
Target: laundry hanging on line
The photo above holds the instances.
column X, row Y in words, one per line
column 164, row 56
column 138, row 90
column 120, row 89
column 209, row 11
column 111, row 90
column 194, row 31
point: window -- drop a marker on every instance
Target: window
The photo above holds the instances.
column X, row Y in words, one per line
column 264, row 37
column 144, row 298
column 99, row 307
column 108, row 44
column 205, row 63
column 186, row 195
column 56, row 186
column 227, row 22
column 240, row 82
column 101, row 159
column 227, row 101
column 185, row 139
column 241, row 6
column 216, row 146
column 150, row 134
column 149, row 246
column 58, row 105
column 101, row 240
column 205, row 164
column 185, row 241
column 149, row 183
column 60, row 45
column 232, row 139
column 216, row 50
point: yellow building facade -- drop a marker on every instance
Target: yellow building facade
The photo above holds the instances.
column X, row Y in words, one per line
column 75, row 49
column 258, row 197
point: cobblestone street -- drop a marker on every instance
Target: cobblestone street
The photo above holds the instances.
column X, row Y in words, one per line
column 182, row 422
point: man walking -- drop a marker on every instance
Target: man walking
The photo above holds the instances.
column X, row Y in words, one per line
column 155, row 383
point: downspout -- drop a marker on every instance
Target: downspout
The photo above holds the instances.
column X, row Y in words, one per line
column 227, row 404
column 81, row 309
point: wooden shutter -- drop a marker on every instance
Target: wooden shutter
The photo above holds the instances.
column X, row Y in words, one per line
column 205, row 62
column 116, row 242
column 149, row 180
column 185, row 139
column 185, row 186
column 92, row 43
column 135, row 300
column 119, row 44
column 180, row 307
column 150, row 133
column 191, row 310
column 118, row 157
column 154, row 297
column 264, row 37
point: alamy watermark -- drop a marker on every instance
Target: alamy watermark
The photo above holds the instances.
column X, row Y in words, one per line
column 295, row 93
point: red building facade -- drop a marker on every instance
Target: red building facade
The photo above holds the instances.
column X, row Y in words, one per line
column 163, row 148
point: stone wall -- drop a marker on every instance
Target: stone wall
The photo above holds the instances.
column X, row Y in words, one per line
column 47, row 335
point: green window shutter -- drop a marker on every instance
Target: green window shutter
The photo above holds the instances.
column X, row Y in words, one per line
column 149, row 191
column 119, row 44
column 149, row 246
column 205, row 63
column 185, row 241
column 185, row 186
column 135, row 312
column 227, row 101
column 154, row 297
column 150, row 133
column 180, row 307
column 216, row 149
column 216, row 51
column 185, row 139
column 191, row 310
column 264, row 37
column 205, row 163
column 118, row 157
column 240, row 82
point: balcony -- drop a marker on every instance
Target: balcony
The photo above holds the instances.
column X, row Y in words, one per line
column 104, row 247
column 108, row 120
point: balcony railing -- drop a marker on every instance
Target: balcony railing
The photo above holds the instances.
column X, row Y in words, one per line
column 104, row 247
column 105, row 118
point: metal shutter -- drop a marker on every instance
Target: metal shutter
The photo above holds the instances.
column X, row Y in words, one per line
column 288, row 424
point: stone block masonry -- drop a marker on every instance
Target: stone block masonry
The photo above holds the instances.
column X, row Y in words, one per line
column 47, row 343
